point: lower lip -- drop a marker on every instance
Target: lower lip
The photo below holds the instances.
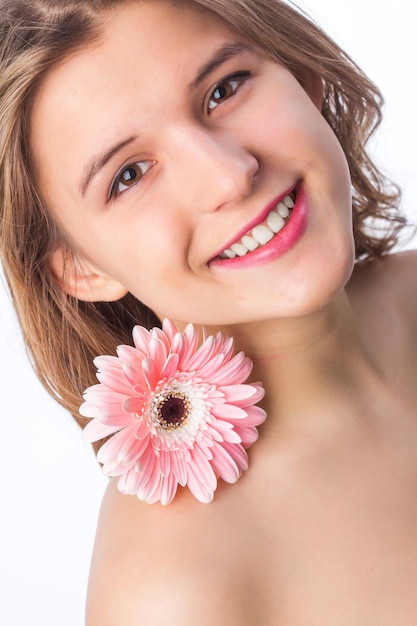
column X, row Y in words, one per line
column 281, row 243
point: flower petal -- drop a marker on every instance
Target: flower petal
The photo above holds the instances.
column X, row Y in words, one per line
column 129, row 482
column 242, row 395
column 115, row 380
column 109, row 451
column 198, row 489
column 189, row 347
column 95, row 430
column 247, row 434
column 202, row 469
column 129, row 354
column 165, row 463
column 112, row 415
column 153, row 485
column 134, row 404
column 150, row 372
column 141, row 339
column 153, row 449
column 131, row 449
column 179, row 468
column 229, row 412
column 169, row 329
column 227, row 431
column 158, row 353
column 256, row 416
column 170, row 366
column 168, row 489
column 233, row 372
column 238, row 453
column 208, row 369
column 134, row 375
column 225, row 466
column 204, row 353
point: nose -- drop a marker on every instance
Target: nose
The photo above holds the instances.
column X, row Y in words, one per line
column 213, row 168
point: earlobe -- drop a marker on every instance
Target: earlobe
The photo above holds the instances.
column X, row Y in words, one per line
column 78, row 279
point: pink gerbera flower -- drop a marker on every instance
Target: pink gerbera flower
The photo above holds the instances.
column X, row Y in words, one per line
column 178, row 414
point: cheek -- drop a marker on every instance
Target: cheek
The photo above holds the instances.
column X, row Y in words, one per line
column 148, row 259
column 295, row 131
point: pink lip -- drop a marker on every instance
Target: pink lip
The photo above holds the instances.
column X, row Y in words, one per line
column 280, row 243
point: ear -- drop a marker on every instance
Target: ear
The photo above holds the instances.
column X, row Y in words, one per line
column 78, row 279
column 312, row 85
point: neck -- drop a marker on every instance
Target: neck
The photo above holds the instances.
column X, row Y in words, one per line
column 312, row 367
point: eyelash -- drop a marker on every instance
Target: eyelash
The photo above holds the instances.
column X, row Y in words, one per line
column 235, row 81
column 142, row 166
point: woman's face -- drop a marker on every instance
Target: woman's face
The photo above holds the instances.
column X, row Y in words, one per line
column 171, row 140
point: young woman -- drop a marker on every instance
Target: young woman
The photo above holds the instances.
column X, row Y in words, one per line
column 145, row 146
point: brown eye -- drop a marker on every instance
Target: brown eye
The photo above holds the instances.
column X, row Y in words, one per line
column 226, row 88
column 224, row 91
column 129, row 176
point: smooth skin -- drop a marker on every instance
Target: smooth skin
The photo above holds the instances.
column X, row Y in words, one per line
column 322, row 528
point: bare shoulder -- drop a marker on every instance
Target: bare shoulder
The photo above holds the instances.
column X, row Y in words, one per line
column 160, row 566
column 131, row 578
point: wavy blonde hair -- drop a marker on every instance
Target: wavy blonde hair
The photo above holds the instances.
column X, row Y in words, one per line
column 63, row 335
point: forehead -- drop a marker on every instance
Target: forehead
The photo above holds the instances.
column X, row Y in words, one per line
column 134, row 39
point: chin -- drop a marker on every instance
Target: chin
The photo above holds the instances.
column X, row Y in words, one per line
column 312, row 287
column 324, row 280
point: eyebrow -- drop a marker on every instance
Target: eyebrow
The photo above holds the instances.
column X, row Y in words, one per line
column 98, row 162
column 223, row 54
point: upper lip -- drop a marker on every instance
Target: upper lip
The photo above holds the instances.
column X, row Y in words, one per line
column 257, row 220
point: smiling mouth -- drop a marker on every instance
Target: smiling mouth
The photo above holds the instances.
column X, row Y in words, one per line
column 262, row 233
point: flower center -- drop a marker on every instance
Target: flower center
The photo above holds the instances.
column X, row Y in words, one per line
column 170, row 410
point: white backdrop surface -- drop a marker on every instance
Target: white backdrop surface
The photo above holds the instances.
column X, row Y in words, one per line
column 50, row 484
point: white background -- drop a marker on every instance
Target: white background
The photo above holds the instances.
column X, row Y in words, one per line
column 50, row 484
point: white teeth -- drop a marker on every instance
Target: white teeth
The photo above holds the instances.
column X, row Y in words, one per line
column 275, row 221
column 239, row 249
column 283, row 210
column 262, row 233
column 228, row 254
column 250, row 243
